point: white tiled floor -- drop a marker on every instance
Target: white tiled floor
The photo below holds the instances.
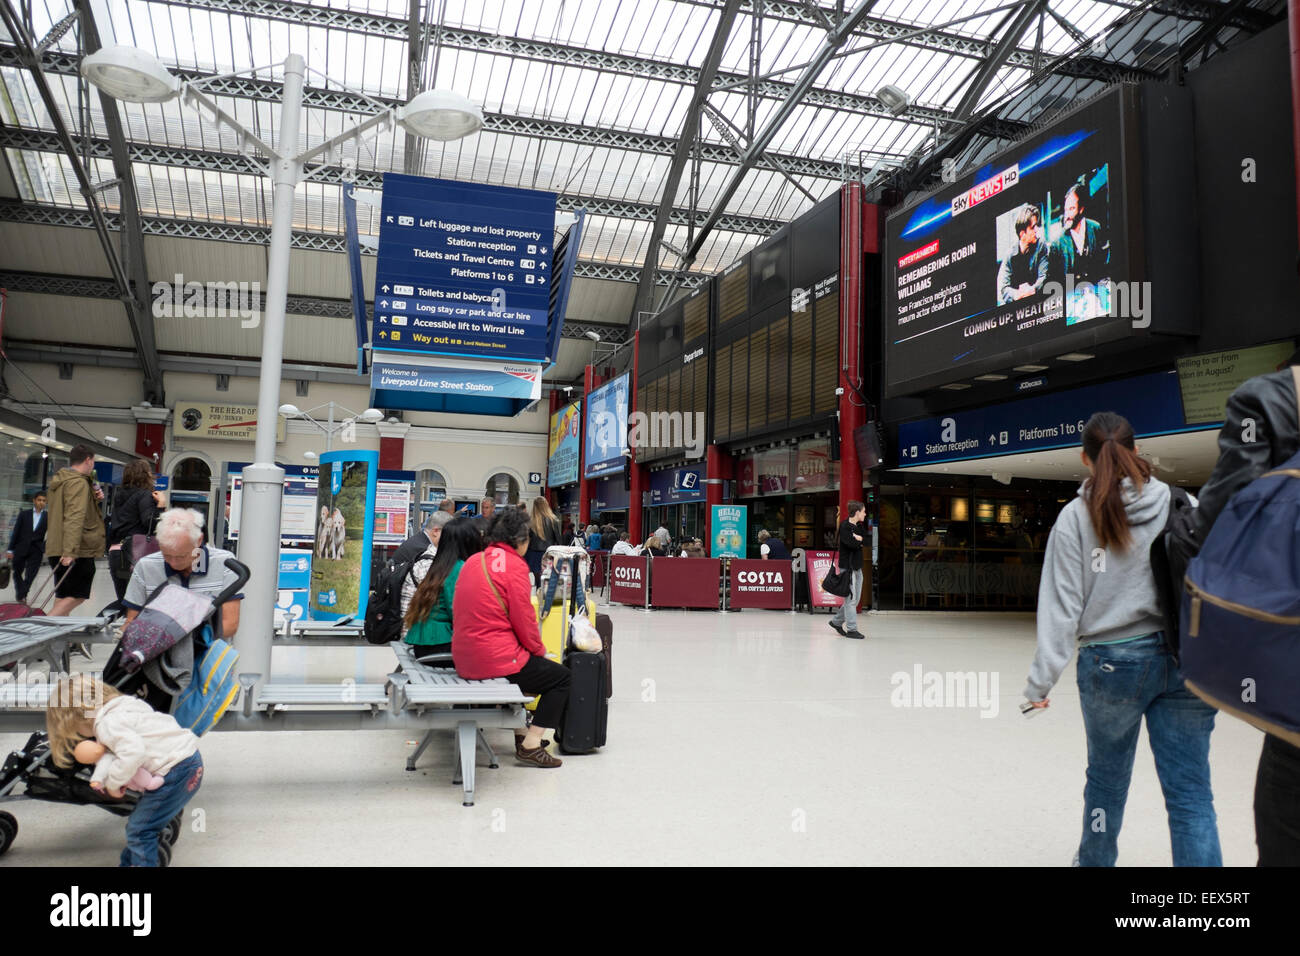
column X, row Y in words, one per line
column 751, row 738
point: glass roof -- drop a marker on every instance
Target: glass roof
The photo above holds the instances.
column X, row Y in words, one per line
column 584, row 97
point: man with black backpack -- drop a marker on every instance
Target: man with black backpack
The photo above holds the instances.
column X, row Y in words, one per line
column 1261, row 431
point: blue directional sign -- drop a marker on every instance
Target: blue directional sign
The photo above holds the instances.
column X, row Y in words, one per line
column 464, row 269
column 1152, row 403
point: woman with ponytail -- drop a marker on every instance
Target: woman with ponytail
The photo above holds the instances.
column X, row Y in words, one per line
column 1098, row 594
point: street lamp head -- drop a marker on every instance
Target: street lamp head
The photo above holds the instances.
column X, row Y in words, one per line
column 371, row 415
column 441, row 115
column 592, row 334
column 290, row 411
column 309, row 455
column 129, row 74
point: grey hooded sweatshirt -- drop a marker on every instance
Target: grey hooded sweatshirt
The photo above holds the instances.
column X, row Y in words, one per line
column 1087, row 596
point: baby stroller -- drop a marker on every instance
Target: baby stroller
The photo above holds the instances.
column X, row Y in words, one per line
column 40, row 778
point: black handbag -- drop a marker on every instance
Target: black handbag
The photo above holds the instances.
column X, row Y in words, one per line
column 838, row 582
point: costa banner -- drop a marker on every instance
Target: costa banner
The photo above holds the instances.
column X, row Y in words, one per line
column 629, row 579
column 761, row 584
column 686, row 582
column 820, row 562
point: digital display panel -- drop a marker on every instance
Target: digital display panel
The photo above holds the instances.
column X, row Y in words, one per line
column 1015, row 259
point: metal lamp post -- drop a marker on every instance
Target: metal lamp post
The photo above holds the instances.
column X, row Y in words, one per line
column 369, row 416
column 136, row 76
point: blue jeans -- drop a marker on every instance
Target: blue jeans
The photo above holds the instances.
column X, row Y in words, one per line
column 1118, row 684
column 156, row 808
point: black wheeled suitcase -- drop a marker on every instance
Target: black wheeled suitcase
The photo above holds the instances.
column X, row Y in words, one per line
column 587, row 715
column 605, row 628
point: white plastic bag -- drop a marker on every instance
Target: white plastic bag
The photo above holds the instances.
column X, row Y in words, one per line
column 584, row 636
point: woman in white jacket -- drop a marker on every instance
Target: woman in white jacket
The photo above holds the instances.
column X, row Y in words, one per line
column 1098, row 594
column 136, row 736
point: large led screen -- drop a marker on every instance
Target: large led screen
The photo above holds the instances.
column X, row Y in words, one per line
column 1013, row 259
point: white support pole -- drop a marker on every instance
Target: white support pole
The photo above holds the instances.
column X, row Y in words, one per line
column 264, row 480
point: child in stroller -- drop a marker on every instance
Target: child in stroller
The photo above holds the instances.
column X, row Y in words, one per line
column 82, row 706
column 48, row 772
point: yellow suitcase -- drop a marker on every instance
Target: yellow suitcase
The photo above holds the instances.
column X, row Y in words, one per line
column 554, row 628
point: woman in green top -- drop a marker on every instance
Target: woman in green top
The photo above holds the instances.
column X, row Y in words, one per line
column 428, row 618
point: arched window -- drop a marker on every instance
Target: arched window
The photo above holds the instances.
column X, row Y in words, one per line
column 502, row 488
column 432, row 487
column 191, row 486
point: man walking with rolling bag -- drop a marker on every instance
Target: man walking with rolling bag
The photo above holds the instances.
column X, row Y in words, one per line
column 76, row 536
column 845, row 619
column 27, row 545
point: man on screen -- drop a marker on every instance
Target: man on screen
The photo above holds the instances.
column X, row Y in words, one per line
column 1023, row 272
column 1079, row 252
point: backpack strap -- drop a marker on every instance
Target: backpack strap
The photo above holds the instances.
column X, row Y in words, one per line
column 1295, row 377
column 482, row 558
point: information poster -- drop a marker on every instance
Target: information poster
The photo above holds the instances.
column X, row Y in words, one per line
column 728, row 530
column 297, row 505
column 1206, row 381
column 345, row 498
column 392, row 512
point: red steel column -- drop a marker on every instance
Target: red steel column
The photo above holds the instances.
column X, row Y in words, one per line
column 718, row 467
column 852, row 408
column 150, row 433
column 584, row 486
column 637, row 471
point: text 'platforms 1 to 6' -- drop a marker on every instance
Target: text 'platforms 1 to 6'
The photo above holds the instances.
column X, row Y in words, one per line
column 463, row 269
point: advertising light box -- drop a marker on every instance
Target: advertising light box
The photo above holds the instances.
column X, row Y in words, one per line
column 605, row 433
column 563, row 446
column 1028, row 256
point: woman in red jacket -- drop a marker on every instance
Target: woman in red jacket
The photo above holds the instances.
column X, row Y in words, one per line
column 495, row 633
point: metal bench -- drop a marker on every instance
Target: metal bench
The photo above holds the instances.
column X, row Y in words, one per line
column 424, row 685
column 321, row 634
column 341, row 694
column 47, row 639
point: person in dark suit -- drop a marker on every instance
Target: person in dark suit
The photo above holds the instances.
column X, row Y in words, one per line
column 27, row 545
